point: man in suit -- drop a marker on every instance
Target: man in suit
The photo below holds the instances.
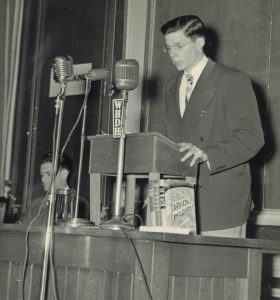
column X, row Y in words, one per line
column 211, row 112
column 39, row 206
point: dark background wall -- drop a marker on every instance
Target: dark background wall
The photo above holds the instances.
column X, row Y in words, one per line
column 91, row 31
column 244, row 35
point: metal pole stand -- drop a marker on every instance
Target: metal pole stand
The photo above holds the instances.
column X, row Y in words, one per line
column 79, row 222
column 117, row 221
column 59, row 104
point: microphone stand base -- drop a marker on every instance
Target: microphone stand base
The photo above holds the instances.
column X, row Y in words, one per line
column 116, row 223
column 74, row 222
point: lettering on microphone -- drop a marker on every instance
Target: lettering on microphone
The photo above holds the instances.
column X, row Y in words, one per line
column 118, row 104
column 116, row 132
column 118, row 113
column 117, row 117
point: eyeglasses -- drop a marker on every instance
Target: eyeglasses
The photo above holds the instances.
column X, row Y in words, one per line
column 178, row 48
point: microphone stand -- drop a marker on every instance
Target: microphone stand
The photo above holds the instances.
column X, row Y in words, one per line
column 116, row 221
column 77, row 222
column 59, row 105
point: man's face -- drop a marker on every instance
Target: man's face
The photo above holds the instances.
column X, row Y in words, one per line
column 184, row 52
column 46, row 177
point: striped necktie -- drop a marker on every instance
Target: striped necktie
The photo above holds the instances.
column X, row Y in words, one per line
column 189, row 78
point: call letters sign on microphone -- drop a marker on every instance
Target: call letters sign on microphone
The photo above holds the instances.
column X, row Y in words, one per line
column 117, row 105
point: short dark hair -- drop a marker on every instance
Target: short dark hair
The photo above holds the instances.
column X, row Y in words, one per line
column 192, row 25
column 65, row 162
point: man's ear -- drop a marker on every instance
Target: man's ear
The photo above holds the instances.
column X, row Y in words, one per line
column 200, row 42
column 64, row 174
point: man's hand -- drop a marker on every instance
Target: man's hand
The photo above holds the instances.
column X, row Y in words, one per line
column 198, row 155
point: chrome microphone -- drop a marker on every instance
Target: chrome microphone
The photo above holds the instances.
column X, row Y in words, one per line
column 63, row 69
column 126, row 74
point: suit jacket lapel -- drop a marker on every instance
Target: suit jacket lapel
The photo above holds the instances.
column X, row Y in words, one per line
column 201, row 96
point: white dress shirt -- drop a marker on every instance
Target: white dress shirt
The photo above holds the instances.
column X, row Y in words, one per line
column 195, row 72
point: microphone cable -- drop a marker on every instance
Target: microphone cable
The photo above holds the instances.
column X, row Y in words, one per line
column 139, row 261
column 27, row 253
column 52, row 266
column 87, row 91
column 24, row 268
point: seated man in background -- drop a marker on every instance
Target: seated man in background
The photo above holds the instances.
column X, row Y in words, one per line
column 39, row 206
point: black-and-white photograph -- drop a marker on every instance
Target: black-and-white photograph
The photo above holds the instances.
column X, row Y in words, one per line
column 139, row 149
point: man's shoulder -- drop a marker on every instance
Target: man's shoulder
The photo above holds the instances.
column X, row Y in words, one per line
column 28, row 215
column 226, row 70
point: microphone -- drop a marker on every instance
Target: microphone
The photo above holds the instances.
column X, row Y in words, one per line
column 98, row 74
column 126, row 79
column 63, row 69
column 126, row 74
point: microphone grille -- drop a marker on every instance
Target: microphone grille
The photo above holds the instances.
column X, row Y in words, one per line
column 126, row 74
column 63, row 69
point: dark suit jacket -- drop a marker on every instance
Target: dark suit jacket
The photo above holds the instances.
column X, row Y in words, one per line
column 221, row 118
column 41, row 204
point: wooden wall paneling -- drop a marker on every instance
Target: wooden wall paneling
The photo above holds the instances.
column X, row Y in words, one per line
column 254, row 266
column 193, row 287
column 33, row 280
column 242, row 288
column 86, row 285
column 205, row 288
column 194, row 261
column 68, row 283
column 13, row 280
column 177, row 287
column 218, row 288
column 146, row 255
column 91, row 283
column 106, row 277
column 4, row 278
column 80, row 255
column 154, row 257
column 101, row 264
column 125, row 286
column 230, row 289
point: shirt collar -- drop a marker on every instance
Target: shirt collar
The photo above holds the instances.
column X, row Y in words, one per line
column 198, row 68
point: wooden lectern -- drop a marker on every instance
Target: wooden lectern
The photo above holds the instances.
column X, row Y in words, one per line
column 147, row 155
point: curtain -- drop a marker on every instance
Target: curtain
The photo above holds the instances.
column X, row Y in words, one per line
column 11, row 15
